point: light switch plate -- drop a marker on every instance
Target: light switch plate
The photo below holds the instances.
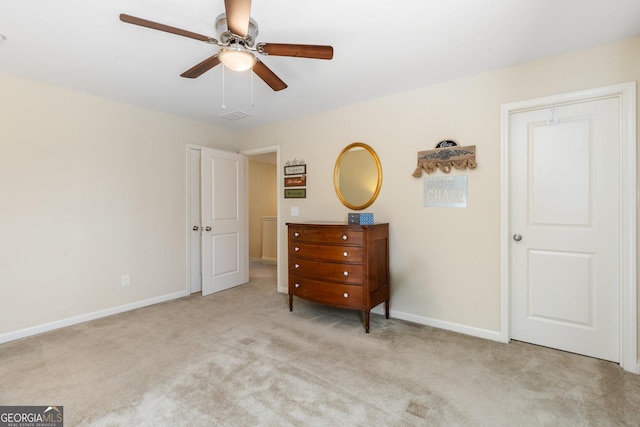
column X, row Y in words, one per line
column 294, row 211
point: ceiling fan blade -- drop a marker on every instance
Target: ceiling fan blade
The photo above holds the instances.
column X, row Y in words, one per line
column 238, row 12
column 166, row 28
column 268, row 76
column 297, row 50
column 201, row 68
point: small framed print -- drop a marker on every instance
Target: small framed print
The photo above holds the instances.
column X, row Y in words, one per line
column 295, row 193
column 295, row 181
column 295, row 170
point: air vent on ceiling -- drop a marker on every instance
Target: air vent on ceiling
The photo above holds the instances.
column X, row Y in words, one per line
column 235, row 115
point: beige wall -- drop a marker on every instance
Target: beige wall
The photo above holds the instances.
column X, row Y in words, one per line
column 90, row 190
column 445, row 263
column 262, row 201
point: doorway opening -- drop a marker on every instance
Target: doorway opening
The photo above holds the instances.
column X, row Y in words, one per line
column 263, row 190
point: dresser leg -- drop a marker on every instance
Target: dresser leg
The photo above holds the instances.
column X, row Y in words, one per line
column 290, row 302
column 366, row 321
column 386, row 309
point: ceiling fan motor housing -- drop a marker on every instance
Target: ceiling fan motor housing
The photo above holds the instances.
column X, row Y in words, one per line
column 227, row 37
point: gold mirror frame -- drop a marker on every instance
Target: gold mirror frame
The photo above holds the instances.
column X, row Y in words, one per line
column 336, row 176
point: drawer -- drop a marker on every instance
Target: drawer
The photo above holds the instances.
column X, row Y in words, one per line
column 341, row 253
column 344, row 296
column 332, row 271
column 325, row 235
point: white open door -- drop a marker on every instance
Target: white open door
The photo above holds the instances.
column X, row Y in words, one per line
column 225, row 260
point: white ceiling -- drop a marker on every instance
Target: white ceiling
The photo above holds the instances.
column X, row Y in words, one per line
column 380, row 48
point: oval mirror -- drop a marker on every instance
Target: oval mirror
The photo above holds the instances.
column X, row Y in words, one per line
column 357, row 176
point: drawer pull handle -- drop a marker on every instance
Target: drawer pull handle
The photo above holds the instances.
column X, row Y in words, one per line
column 345, row 237
column 345, row 253
column 296, row 234
column 296, row 249
column 346, row 295
column 346, row 273
column 297, row 285
column 297, row 266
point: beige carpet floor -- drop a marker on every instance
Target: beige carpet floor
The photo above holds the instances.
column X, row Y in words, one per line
column 240, row 358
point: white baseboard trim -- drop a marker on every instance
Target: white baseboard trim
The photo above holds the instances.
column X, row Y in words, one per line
column 270, row 259
column 39, row 329
column 441, row 324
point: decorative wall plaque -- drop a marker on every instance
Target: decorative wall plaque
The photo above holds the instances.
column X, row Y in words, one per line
column 445, row 159
column 295, row 193
column 295, row 167
column 447, row 143
column 445, row 192
column 298, row 168
column 295, row 181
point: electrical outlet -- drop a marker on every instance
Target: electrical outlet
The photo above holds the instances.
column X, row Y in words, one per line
column 125, row 280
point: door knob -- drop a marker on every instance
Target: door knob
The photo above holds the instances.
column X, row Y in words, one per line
column 517, row 237
column 195, row 228
column 207, row 228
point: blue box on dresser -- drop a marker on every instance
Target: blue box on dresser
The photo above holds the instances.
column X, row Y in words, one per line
column 360, row 218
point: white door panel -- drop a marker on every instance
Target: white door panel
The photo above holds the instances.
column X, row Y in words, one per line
column 226, row 188
column 224, row 245
column 570, row 303
column 563, row 148
column 565, row 203
column 225, row 253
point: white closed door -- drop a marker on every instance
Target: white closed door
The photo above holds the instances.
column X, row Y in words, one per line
column 224, row 221
column 564, row 201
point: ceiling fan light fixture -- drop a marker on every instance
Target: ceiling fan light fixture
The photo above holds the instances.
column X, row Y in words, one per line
column 237, row 58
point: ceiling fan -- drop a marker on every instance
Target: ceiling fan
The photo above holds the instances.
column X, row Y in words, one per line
column 237, row 33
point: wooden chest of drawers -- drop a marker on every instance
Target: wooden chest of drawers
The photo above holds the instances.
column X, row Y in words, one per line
column 338, row 264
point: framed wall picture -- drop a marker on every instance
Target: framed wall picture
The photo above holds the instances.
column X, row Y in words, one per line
column 295, row 170
column 295, row 181
column 295, row 193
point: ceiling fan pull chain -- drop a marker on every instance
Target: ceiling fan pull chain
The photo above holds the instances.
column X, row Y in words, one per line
column 223, row 106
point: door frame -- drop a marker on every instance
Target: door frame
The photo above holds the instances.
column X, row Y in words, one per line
column 626, row 93
column 279, row 190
